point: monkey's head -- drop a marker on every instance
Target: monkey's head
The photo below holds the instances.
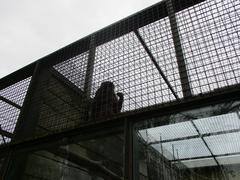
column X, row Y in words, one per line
column 107, row 85
column 106, row 88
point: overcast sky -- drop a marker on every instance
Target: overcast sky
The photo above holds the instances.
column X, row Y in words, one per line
column 31, row 29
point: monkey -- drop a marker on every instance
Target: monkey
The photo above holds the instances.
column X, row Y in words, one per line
column 106, row 103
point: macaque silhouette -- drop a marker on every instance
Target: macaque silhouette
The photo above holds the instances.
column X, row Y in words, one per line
column 106, row 103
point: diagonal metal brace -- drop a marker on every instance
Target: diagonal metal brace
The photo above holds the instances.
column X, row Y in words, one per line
column 10, row 102
column 155, row 63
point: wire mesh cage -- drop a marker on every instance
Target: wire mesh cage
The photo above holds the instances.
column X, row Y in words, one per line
column 173, row 53
column 169, row 52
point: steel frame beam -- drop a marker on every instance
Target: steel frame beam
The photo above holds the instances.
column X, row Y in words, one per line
column 195, row 136
column 13, row 164
column 178, row 50
column 204, row 157
column 6, row 133
column 90, row 67
column 136, row 116
column 128, row 150
column 206, row 144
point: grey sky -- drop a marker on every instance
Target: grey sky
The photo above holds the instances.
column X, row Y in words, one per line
column 32, row 29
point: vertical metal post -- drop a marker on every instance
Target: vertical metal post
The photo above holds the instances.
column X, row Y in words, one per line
column 128, row 150
column 89, row 75
column 160, row 142
column 90, row 67
column 14, row 165
column 26, row 124
column 3, row 138
column 178, row 50
column 173, row 152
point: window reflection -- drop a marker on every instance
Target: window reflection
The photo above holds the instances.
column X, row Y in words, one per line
column 95, row 159
column 197, row 144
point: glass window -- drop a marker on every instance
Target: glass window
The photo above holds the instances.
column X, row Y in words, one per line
column 100, row 158
column 197, row 144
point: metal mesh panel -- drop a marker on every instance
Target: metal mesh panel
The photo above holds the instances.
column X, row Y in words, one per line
column 12, row 99
column 58, row 102
column 188, row 148
column 124, row 62
column 158, row 38
column 16, row 92
column 209, row 38
column 74, row 69
column 209, row 35
column 224, row 143
column 227, row 122
column 165, row 132
column 153, row 57
column 143, row 59
column 9, row 116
